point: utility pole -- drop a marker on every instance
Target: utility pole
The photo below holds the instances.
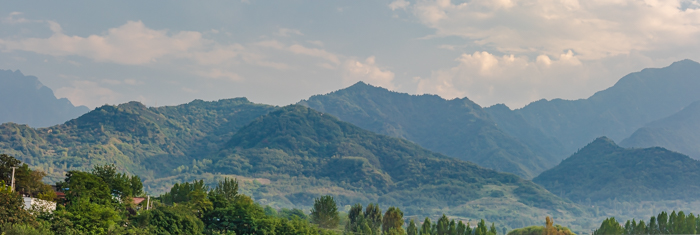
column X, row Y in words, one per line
column 12, row 185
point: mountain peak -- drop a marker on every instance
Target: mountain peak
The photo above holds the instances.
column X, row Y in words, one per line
column 683, row 63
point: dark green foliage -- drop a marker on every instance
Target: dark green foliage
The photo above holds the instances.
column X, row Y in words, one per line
column 412, row 228
column 120, row 184
column 616, row 112
column 170, row 220
column 25, row 229
column 443, row 225
column 152, row 142
column 89, row 216
column 663, row 223
column 393, row 220
column 373, row 216
column 293, row 213
column 182, row 193
column 11, row 211
column 299, row 143
column 325, row 212
column 458, row 128
column 6, row 164
column 679, row 132
column 604, row 171
column 426, row 228
column 85, row 186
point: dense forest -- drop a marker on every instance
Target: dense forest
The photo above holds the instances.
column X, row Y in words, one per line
column 103, row 201
column 458, row 128
column 603, row 171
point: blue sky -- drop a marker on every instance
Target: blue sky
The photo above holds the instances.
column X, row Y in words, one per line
column 279, row 52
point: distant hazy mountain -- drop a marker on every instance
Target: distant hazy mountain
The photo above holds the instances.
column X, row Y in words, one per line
column 618, row 111
column 679, row 132
column 458, row 128
column 25, row 100
column 604, row 171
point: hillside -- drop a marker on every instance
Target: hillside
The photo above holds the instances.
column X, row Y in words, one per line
column 679, row 132
column 151, row 142
column 605, row 171
column 618, row 111
column 26, row 101
column 458, row 128
column 304, row 154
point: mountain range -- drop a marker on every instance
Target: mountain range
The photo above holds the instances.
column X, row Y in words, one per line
column 679, row 132
column 617, row 112
column 458, row 128
column 27, row 101
column 602, row 170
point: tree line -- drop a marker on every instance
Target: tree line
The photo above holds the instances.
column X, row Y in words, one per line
column 663, row 223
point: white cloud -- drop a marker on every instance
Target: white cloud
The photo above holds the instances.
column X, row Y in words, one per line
column 354, row 71
column 592, row 29
column 87, row 93
column 488, row 79
column 16, row 18
column 132, row 43
column 285, row 32
column 399, row 4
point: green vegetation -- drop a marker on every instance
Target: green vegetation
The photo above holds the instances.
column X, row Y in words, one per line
column 663, row 223
column 603, row 172
column 321, row 155
column 154, row 143
column 458, row 128
column 549, row 229
column 679, row 132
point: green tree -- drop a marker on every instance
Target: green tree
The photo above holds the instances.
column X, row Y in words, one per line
column 88, row 217
column 610, row 226
column 412, row 228
column 6, row 164
column 325, row 212
column 443, row 225
column 243, row 216
column 29, row 182
column 373, row 215
column 170, row 220
column 227, row 189
column 426, row 228
column 393, row 220
column 120, row 184
column 481, row 228
column 78, row 185
column 492, row 229
column 462, row 229
column 11, row 207
column 453, row 228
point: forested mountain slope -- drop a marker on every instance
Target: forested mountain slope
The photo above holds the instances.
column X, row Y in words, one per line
column 26, row 101
column 305, row 154
column 605, row 171
column 150, row 142
column 679, row 132
column 618, row 111
column 458, row 128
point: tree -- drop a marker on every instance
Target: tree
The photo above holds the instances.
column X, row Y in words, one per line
column 412, row 229
column 80, row 184
column 426, row 228
column 29, row 182
column 453, row 228
column 492, row 229
column 88, row 217
column 170, row 220
column 227, row 189
column 11, row 207
column 393, row 220
column 325, row 212
column 373, row 215
column 462, row 229
column 481, row 228
column 610, row 226
column 443, row 225
column 6, row 164
column 120, row 184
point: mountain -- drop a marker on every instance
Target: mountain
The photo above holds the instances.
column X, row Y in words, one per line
column 605, row 171
column 26, row 101
column 679, row 132
column 304, row 153
column 283, row 157
column 458, row 128
column 151, row 142
column 618, row 111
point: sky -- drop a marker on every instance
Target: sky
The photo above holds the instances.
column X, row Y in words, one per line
column 280, row 52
